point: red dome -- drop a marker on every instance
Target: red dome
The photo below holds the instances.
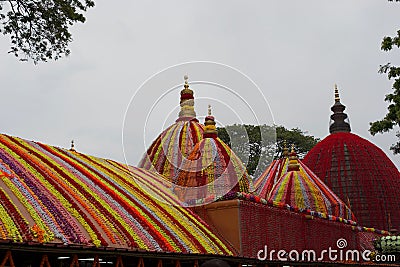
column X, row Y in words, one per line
column 357, row 170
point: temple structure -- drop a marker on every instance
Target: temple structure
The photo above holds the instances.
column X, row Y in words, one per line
column 212, row 170
column 191, row 200
column 357, row 171
column 173, row 145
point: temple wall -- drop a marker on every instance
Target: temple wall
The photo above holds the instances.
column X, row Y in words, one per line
column 251, row 226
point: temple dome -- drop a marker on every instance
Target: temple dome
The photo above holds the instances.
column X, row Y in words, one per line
column 357, row 170
column 58, row 197
column 299, row 187
column 212, row 170
column 175, row 143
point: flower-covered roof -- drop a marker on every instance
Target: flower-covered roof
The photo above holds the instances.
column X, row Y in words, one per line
column 212, row 170
column 357, row 170
column 299, row 187
column 263, row 184
column 54, row 195
column 175, row 143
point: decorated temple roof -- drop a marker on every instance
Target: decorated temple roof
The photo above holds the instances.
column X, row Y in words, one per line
column 263, row 184
column 174, row 144
column 212, row 170
column 289, row 181
column 357, row 170
column 55, row 195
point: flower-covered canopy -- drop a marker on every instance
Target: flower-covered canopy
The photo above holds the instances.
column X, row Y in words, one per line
column 301, row 188
column 174, row 144
column 263, row 184
column 357, row 170
column 54, row 195
column 212, row 170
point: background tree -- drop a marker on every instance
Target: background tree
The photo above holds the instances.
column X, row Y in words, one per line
column 259, row 145
column 39, row 29
column 392, row 118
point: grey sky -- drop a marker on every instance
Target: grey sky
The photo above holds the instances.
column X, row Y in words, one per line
column 295, row 51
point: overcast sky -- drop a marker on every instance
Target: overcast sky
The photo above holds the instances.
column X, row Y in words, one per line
column 294, row 51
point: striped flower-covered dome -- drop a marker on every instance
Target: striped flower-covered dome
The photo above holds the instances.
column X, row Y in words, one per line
column 211, row 171
column 54, row 195
column 301, row 188
column 174, row 144
column 263, row 184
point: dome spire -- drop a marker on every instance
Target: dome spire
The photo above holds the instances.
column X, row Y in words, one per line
column 187, row 102
column 285, row 152
column 338, row 117
column 210, row 129
column 337, row 98
column 293, row 161
column 72, row 146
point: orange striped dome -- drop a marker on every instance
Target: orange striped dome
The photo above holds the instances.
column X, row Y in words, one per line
column 173, row 145
column 211, row 171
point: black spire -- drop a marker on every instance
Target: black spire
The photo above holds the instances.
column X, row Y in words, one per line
column 338, row 117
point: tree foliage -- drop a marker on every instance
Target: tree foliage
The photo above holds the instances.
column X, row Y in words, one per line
column 257, row 145
column 392, row 118
column 39, row 29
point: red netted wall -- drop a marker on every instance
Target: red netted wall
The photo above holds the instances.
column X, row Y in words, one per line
column 358, row 171
column 277, row 228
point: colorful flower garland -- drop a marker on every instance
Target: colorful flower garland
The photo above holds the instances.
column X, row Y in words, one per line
column 74, row 198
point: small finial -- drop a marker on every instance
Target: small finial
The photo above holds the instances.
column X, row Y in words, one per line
column 337, row 98
column 285, row 149
column 293, row 161
column 209, row 123
column 186, row 77
column 72, row 146
column 186, row 102
column 338, row 118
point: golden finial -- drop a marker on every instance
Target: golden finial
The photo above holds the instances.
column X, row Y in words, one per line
column 210, row 129
column 186, row 102
column 293, row 161
column 337, row 98
column 72, row 146
column 285, row 152
column 186, row 77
